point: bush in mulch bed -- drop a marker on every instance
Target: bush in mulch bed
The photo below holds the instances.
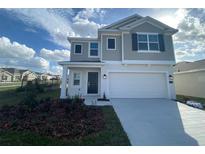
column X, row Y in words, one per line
column 67, row 119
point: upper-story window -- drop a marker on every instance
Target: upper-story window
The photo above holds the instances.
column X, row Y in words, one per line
column 111, row 43
column 93, row 49
column 78, row 49
column 148, row 42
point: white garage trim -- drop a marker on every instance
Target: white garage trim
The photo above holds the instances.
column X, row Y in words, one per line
column 124, row 71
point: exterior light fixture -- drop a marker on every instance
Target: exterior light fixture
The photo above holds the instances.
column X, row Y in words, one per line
column 171, row 79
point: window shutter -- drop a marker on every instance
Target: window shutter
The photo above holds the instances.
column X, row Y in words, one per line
column 161, row 42
column 134, row 42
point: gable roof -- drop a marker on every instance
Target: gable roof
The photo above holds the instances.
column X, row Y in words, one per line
column 136, row 20
column 187, row 66
column 14, row 71
column 11, row 70
column 123, row 21
column 4, row 71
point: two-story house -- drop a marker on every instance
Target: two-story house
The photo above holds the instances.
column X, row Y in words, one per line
column 131, row 58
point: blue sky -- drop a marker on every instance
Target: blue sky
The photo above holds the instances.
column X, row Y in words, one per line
column 38, row 36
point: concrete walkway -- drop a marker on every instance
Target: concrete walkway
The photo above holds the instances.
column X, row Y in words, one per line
column 160, row 122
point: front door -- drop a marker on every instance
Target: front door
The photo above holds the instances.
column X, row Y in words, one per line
column 92, row 86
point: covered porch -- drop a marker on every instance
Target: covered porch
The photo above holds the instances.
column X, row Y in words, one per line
column 83, row 79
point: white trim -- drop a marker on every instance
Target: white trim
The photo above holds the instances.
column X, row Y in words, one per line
column 87, row 83
column 151, row 21
column 89, row 49
column 63, row 93
column 122, row 46
column 161, row 62
column 190, row 71
column 148, row 51
column 81, row 39
column 76, row 86
column 121, row 21
column 166, row 73
column 110, row 34
column 80, row 63
column 81, row 48
column 101, row 43
column 107, row 43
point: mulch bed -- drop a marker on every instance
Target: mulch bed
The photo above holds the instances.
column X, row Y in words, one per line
column 53, row 118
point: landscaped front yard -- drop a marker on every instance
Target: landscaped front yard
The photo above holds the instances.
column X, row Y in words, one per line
column 107, row 131
column 185, row 98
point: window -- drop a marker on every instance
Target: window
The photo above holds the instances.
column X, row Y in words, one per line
column 4, row 77
column 76, row 79
column 78, row 48
column 111, row 43
column 94, row 49
column 148, row 42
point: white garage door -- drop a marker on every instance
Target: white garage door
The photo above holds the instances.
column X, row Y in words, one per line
column 137, row 85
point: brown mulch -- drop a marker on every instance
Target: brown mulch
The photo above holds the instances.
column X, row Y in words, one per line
column 53, row 118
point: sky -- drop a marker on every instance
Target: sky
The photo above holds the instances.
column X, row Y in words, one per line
column 36, row 38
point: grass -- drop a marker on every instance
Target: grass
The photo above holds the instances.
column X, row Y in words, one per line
column 112, row 135
column 10, row 84
column 9, row 96
column 198, row 99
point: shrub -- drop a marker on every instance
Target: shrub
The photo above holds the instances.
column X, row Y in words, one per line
column 53, row 118
column 31, row 87
column 30, row 100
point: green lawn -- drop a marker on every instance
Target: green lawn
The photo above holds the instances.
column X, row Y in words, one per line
column 198, row 99
column 10, row 84
column 113, row 134
column 9, row 96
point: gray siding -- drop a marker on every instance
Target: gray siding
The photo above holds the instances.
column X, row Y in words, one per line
column 129, row 54
column 84, row 55
column 113, row 55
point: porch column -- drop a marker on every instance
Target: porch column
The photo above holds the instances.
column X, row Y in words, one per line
column 64, row 82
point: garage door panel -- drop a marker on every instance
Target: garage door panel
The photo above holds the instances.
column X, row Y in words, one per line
column 137, row 85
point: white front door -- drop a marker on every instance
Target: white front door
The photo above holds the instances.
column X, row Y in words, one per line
column 138, row 85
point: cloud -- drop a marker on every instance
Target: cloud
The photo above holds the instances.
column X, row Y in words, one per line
column 60, row 24
column 91, row 13
column 34, row 63
column 55, row 55
column 172, row 18
column 14, row 54
column 30, row 30
column 189, row 41
column 10, row 49
column 54, row 21
column 56, row 69
column 84, row 26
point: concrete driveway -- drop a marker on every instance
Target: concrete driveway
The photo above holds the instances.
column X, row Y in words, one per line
column 160, row 122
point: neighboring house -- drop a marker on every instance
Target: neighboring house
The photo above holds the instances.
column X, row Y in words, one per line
column 131, row 58
column 47, row 76
column 5, row 76
column 16, row 74
column 28, row 75
column 189, row 78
